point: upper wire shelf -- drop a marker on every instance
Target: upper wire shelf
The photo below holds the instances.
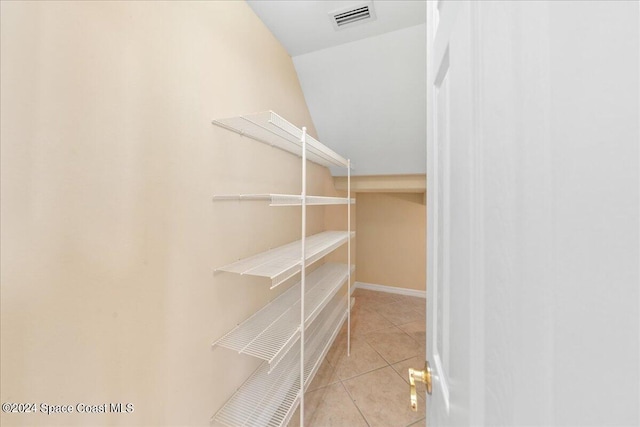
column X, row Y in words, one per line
column 287, row 199
column 270, row 128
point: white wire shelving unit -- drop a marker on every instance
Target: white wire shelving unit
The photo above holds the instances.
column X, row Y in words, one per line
column 309, row 313
column 272, row 331
column 270, row 398
column 282, row 263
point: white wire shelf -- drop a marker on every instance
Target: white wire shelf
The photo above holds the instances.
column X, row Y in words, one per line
column 270, row 399
column 280, row 264
column 272, row 331
column 270, row 128
column 286, row 199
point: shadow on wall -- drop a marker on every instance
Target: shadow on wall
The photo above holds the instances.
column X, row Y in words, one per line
column 416, row 198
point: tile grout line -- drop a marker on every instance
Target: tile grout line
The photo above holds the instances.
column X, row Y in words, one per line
column 416, row 421
column 355, row 404
column 363, row 337
column 367, row 372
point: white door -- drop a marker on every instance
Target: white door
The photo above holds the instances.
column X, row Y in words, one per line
column 449, row 209
column 533, row 209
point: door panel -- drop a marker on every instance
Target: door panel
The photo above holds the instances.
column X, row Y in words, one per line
column 441, row 318
column 533, row 213
column 448, row 214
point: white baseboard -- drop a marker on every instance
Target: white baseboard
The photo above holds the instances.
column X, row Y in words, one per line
column 389, row 289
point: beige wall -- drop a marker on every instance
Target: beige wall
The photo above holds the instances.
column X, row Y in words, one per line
column 109, row 235
column 391, row 239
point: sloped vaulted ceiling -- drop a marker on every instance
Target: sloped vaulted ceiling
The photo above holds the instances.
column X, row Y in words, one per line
column 365, row 84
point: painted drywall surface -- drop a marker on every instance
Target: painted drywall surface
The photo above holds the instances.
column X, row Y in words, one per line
column 307, row 26
column 369, row 108
column 109, row 235
column 391, row 239
column 336, row 219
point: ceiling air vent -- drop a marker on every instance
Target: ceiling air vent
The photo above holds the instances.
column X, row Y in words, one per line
column 353, row 15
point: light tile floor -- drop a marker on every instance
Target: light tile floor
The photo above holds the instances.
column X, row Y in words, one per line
column 371, row 386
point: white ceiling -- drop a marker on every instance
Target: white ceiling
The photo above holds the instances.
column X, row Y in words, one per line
column 305, row 26
column 365, row 85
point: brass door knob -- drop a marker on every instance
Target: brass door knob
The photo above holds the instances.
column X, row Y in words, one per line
column 422, row 376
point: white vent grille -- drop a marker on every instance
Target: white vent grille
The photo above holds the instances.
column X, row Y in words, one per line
column 355, row 14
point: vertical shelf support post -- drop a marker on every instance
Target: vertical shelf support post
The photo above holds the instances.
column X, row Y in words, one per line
column 349, row 257
column 302, row 269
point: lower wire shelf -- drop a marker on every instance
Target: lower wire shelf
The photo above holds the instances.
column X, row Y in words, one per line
column 270, row 399
column 272, row 331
